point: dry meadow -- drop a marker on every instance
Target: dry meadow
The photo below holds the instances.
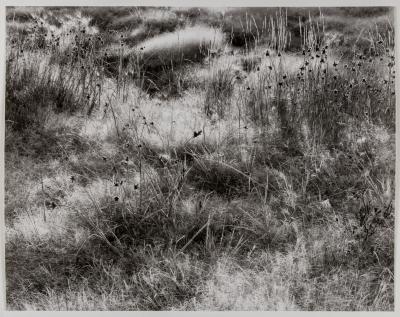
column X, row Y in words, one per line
column 197, row 159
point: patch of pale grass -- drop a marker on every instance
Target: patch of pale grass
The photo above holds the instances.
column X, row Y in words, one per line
column 82, row 299
column 232, row 287
column 39, row 224
column 192, row 36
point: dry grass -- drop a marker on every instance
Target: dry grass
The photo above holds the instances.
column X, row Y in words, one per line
column 174, row 171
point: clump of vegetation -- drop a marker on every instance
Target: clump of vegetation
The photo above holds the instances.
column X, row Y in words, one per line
column 219, row 91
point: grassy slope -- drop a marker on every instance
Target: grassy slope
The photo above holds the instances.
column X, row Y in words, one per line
column 123, row 208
